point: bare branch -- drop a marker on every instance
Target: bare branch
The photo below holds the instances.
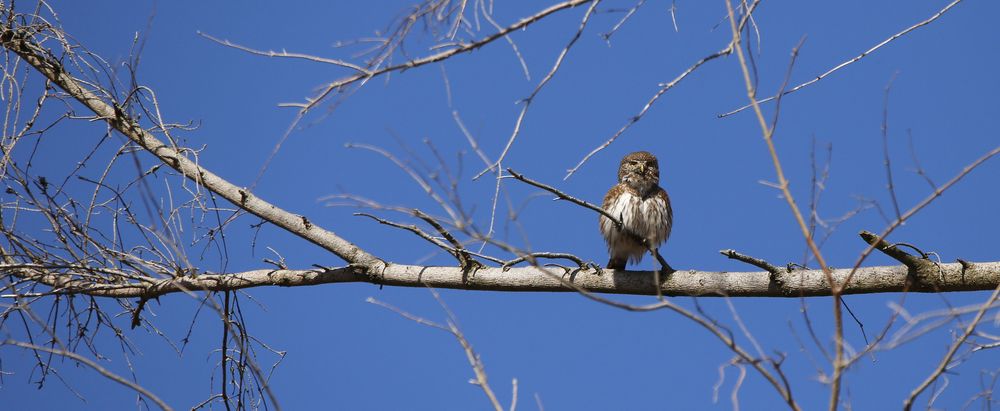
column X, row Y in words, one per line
column 458, row 49
column 628, row 14
column 723, row 334
column 478, row 368
column 955, row 345
column 526, row 102
column 285, row 54
column 938, row 192
column 415, row 230
column 663, row 89
column 893, row 251
column 885, row 145
column 531, row 257
column 563, row 196
column 96, row 367
column 930, row 19
column 808, row 283
column 768, row 133
column 22, row 43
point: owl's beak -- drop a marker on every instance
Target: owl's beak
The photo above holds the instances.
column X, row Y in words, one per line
column 642, row 168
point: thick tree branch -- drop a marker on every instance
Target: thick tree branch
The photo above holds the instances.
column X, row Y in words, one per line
column 810, row 283
column 21, row 42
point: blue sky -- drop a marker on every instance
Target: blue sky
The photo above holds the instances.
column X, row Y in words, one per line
column 343, row 353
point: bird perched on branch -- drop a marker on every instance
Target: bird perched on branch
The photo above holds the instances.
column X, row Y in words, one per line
column 643, row 208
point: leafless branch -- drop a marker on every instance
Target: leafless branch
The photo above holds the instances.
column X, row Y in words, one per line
column 440, row 56
column 885, row 145
column 21, row 42
column 925, row 202
column 96, row 367
column 725, row 51
column 563, row 196
column 874, row 48
column 285, row 54
column 452, row 327
column 526, row 102
column 955, row 345
column 768, row 134
column 628, row 14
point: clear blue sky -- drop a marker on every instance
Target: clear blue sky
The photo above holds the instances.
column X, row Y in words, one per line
column 343, row 353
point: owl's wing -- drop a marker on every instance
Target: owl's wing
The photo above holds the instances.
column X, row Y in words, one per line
column 669, row 215
column 607, row 205
column 612, row 194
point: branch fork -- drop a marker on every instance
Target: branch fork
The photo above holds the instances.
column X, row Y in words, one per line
column 922, row 272
column 776, row 274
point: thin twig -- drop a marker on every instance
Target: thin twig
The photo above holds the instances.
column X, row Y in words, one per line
column 722, row 335
column 563, row 196
column 920, row 206
column 935, row 16
column 955, row 345
column 453, row 329
column 535, row 255
column 424, row 185
column 768, row 134
column 526, row 103
column 96, row 367
column 725, row 51
column 885, row 144
column 415, row 230
column 460, row 48
column 285, row 54
column 628, row 14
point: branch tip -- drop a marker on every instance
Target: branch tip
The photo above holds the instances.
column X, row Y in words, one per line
column 910, row 261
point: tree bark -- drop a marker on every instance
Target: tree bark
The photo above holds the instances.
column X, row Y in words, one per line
column 809, row 283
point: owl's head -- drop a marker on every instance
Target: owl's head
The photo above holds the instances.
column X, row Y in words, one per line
column 639, row 170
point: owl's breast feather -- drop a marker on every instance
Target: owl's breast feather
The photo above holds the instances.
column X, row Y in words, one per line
column 646, row 217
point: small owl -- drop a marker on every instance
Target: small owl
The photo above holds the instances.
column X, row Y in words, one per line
column 643, row 207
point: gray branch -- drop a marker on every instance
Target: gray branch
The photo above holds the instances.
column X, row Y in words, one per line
column 809, row 283
column 20, row 41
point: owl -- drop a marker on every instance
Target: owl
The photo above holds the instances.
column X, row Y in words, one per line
column 642, row 206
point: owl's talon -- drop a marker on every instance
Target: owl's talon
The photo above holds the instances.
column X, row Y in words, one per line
column 793, row 266
column 470, row 266
column 585, row 265
column 666, row 268
column 594, row 266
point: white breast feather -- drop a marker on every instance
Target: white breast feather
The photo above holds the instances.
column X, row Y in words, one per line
column 642, row 217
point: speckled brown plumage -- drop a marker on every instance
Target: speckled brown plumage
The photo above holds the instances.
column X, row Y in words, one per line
column 642, row 205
